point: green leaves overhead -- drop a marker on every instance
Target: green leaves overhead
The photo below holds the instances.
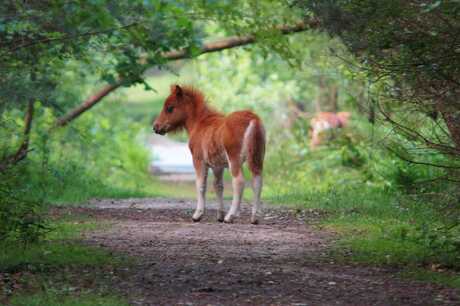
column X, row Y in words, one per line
column 32, row 33
column 117, row 39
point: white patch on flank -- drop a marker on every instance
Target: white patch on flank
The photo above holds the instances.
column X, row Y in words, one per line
column 247, row 134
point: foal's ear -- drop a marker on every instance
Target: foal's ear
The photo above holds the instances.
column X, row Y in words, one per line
column 178, row 91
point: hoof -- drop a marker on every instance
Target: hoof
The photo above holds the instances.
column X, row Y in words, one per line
column 220, row 216
column 229, row 219
column 254, row 221
column 197, row 215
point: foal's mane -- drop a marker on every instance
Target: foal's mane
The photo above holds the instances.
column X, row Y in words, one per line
column 198, row 99
column 196, row 95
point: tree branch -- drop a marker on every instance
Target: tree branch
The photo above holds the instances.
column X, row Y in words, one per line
column 446, row 149
column 238, row 41
column 87, row 104
column 420, row 162
column 215, row 46
column 47, row 40
column 23, row 149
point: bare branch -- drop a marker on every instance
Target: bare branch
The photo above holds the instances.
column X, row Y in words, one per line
column 420, row 162
column 409, row 131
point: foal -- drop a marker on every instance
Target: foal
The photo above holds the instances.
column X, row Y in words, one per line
column 217, row 142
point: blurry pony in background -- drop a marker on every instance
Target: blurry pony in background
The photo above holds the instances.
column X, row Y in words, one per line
column 325, row 121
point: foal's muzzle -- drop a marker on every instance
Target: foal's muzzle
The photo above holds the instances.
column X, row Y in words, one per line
column 158, row 130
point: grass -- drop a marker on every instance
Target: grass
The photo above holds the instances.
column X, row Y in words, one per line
column 59, row 248
column 47, row 255
column 370, row 200
column 442, row 278
column 387, row 227
column 71, row 227
column 78, row 194
column 152, row 187
column 50, row 268
column 56, row 299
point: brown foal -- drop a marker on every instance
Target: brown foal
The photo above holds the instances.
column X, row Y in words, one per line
column 217, row 141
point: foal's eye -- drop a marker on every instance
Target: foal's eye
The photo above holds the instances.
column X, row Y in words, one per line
column 170, row 109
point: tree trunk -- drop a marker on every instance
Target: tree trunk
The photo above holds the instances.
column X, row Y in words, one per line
column 371, row 112
column 334, row 99
column 320, row 97
column 450, row 112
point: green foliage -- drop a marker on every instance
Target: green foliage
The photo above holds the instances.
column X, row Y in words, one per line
column 100, row 157
column 71, row 227
column 56, row 248
column 445, row 279
column 405, row 245
column 386, row 210
column 46, row 255
column 103, row 145
column 22, row 216
column 385, row 227
column 407, row 50
column 266, row 83
column 125, row 30
column 47, row 268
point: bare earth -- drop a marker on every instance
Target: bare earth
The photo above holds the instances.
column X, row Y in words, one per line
column 282, row 261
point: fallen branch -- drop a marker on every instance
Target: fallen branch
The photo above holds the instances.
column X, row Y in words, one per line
column 218, row 45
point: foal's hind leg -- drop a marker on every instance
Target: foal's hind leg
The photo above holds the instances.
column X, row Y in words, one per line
column 219, row 189
column 257, row 188
column 238, row 186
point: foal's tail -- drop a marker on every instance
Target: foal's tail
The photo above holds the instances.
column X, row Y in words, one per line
column 255, row 142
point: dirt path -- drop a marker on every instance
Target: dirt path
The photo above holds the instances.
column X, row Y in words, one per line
column 280, row 262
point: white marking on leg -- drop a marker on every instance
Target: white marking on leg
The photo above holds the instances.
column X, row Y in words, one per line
column 257, row 188
column 201, row 179
column 238, row 187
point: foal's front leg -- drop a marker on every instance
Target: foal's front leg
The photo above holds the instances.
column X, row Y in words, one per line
column 201, row 171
